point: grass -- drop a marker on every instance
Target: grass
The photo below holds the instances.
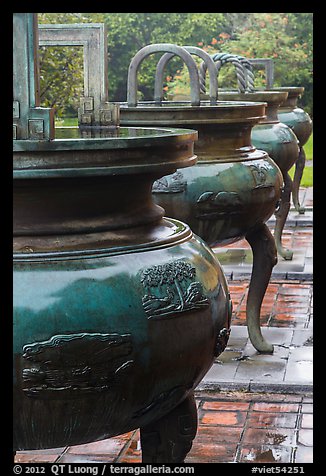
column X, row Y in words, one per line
column 307, row 177
column 66, row 122
column 308, row 148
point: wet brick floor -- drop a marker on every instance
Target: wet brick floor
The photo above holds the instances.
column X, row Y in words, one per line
column 285, row 304
column 233, row 427
column 291, row 238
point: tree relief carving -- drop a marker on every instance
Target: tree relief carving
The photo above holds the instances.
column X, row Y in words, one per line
column 284, row 135
column 261, row 173
column 171, row 288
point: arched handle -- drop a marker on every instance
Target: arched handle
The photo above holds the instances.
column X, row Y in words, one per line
column 208, row 61
column 242, row 66
column 165, row 48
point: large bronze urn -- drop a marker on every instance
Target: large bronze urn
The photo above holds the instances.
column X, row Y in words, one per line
column 271, row 135
column 289, row 113
column 118, row 311
column 299, row 121
column 232, row 190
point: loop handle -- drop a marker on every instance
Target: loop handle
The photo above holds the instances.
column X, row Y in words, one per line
column 166, row 48
column 207, row 60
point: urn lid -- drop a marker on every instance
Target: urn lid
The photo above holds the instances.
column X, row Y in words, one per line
column 126, row 150
column 183, row 112
column 271, row 97
column 293, row 91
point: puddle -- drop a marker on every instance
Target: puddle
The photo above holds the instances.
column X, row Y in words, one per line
column 277, row 438
column 267, row 455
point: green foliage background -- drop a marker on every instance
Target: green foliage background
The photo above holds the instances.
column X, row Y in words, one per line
column 285, row 37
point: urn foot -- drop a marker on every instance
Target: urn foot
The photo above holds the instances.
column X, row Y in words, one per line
column 264, row 259
column 169, row 439
column 299, row 166
column 281, row 216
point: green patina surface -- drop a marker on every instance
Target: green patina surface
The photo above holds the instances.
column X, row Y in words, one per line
column 222, row 200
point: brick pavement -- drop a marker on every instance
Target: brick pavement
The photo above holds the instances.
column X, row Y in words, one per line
column 234, row 427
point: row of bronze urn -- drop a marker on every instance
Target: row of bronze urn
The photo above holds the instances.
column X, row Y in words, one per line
column 120, row 306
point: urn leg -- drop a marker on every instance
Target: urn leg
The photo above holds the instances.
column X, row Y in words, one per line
column 169, row 439
column 264, row 259
column 281, row 216
column 299, row 166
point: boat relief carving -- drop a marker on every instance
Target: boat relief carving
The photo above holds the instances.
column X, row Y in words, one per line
column 75, row 364
column 171, row 288
column 216, row 204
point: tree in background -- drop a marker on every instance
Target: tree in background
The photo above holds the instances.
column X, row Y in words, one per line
column 129, row 32
column 61, row 69
column 285, row 37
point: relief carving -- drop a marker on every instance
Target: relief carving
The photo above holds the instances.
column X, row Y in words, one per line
column 221, row 341
column 261, row 173
column 172, row 183
column 214, row 204
column 283, row 135
column 171, row 288
column 74, row 364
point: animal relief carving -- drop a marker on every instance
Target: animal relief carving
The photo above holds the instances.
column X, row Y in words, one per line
column 172, row 183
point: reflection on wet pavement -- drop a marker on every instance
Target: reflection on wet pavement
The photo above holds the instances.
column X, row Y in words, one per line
column 234, row 427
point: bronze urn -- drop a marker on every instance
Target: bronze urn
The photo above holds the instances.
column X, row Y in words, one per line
column 270, row 134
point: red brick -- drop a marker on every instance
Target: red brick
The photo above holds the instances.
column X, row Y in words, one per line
column 33, row 457
column 212, row 453
column 226, row 418
column 225, row 405
column 218, row 434
column 129, row 459
column 238, row 287
column 265, row 419
column 109, row 446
